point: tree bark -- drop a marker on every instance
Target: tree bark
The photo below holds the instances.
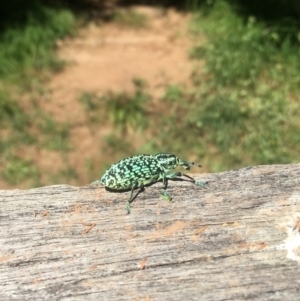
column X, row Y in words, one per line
column 236, row 239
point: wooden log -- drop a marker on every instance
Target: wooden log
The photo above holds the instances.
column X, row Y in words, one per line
column 237, row 239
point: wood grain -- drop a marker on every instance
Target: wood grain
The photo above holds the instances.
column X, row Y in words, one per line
column 238, row 239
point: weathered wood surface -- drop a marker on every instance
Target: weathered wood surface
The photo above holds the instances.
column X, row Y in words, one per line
column 238, row 239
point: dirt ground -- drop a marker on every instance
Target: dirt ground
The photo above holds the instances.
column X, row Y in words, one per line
column 107, row 56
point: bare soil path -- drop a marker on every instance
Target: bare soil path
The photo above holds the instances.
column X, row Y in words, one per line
column 108, row 57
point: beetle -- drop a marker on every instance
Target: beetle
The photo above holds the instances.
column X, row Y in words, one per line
column 137, row 171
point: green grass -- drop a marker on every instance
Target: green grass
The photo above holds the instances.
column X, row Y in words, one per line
column 54, row 135
column 92, row 106
column 65, row 175
column 127, row 111
column 27, row 57
column 11, row 114
column 14, row 126
column 124, row 111
column 29, row 48
column 173, row 93
column 249, row 103
column 37, row 131
column 18, row 170
column 243, row 53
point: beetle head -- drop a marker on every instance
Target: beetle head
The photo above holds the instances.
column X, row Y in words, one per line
column 170, row 161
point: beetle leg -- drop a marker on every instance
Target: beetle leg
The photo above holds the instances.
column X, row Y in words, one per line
column 133, row 187
column 179, row 174
column 164, row 192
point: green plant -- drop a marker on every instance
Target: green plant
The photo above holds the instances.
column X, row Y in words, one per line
column 127, row 111
column 92, row 105
column 116, row 145
column 243, row 52
column 89, row 101
column 30, row 45
column 11, row 114
column 247, row 112
column 55, row 135
column 17, row 170
column 27, row 53
column 173, row 93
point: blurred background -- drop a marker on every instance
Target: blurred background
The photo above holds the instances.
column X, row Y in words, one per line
column 85, row 83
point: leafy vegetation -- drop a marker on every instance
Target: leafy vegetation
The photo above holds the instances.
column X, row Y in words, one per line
column 250, row 98
column 123, row 110
column 18, row 170
column 11, row 114
column 27, row 55
column 28, row 48
column 54, row 135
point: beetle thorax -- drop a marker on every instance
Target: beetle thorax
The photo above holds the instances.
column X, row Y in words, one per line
column 167, row 161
